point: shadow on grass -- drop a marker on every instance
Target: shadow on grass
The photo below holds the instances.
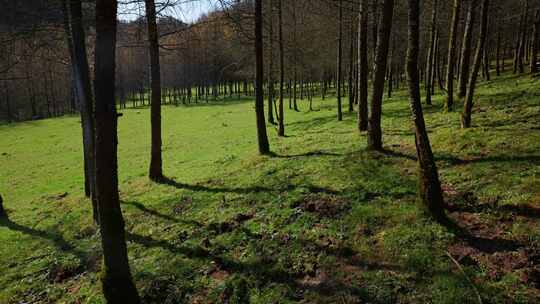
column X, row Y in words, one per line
column 57, row 240
column 157, row 214
column 255, row 189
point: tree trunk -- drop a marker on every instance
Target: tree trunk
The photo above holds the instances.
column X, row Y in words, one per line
column 281, row 125
column 84, row 95
column 498, row 59
column 467, row 109
column 385, row 28
column 351, row 67
column 429, row 184
column 449, row 104
column 430, row 69
column 116, row 277
column 339, row 61
column 363, row 71
column 535, row 44
column 466, row 50
column 264, row 146
column 156, row 171
column 271, row 65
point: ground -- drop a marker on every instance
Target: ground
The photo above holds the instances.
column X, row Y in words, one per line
column 321, row 221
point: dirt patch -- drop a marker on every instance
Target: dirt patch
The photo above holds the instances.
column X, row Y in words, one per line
column 323, row 204
column 184, row 204
column 230, row 225
column 60, row 273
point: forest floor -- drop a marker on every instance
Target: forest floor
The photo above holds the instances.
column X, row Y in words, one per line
column 321, row 221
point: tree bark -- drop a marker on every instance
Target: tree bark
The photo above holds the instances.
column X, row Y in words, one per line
column 430, row 69
column 467, row 109
column 271, row 65
column 383, row 40
column 116, row 277
column 339, row 61
column 83, row 87
column 535, row 44
column 262, row 137
column 281, row 125
column 155, row 171
column 449, row 104
column 466, row 50
column 363, row 70
column 429, row 184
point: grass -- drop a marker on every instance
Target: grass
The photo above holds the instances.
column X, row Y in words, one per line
column 322, row 221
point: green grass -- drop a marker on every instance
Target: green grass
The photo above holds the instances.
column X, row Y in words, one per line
column 323, row 221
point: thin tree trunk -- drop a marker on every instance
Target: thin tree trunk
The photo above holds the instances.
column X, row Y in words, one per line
column 281, row 125
column 383, row 40
column 467, row 109
column 339, row 61
column 363, row 71
column 449, row 104
column 84, row 95
column 116, row 277
column 430, row 70
column 271, row 65
column 535, row 44
column 429, row 184
column 264, row 146
column 466, row 50
column 156, row 171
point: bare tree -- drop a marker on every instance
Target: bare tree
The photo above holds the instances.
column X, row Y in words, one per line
column 467, row 109
column 383, row 41
column 363, row 71
column 156, row 170
column 264, row 146
column 429, row 184
column 116, row 277
column 449, row 104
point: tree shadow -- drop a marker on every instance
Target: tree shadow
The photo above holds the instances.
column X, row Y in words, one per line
column 57, row 240
column 201, row 188
column 308, row 154
column 157, row 214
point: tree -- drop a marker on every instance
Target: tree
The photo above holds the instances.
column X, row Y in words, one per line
column 339, row 61
column 2, row 211
column 83, row 88
column 262, row 137
column 535, row 44
column 449, row 104
column 430, row 70
column 271, row 65
column 466, row 50
column 383, row 41
column 281, row 126
column 363, row 72
column 116, row 277
column 429, row 184
column 467, row 109
column 156, row 170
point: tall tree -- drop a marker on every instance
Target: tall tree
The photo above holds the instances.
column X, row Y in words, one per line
column 262, row 136
column 429, row 184
column 466, row 50
column 430, row 69
column 116, row 277
column 281, row 126
column 363, row 71
column 156, row 170
column 271, row 65
column 467, row 109
column 385, row 28
column 339, row 61
column 535, row 44
column 449, row 104
column 83, row 89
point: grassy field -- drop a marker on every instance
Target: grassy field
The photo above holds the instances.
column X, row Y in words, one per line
column 322, row 221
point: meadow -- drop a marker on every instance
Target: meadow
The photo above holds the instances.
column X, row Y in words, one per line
column 320, row 221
